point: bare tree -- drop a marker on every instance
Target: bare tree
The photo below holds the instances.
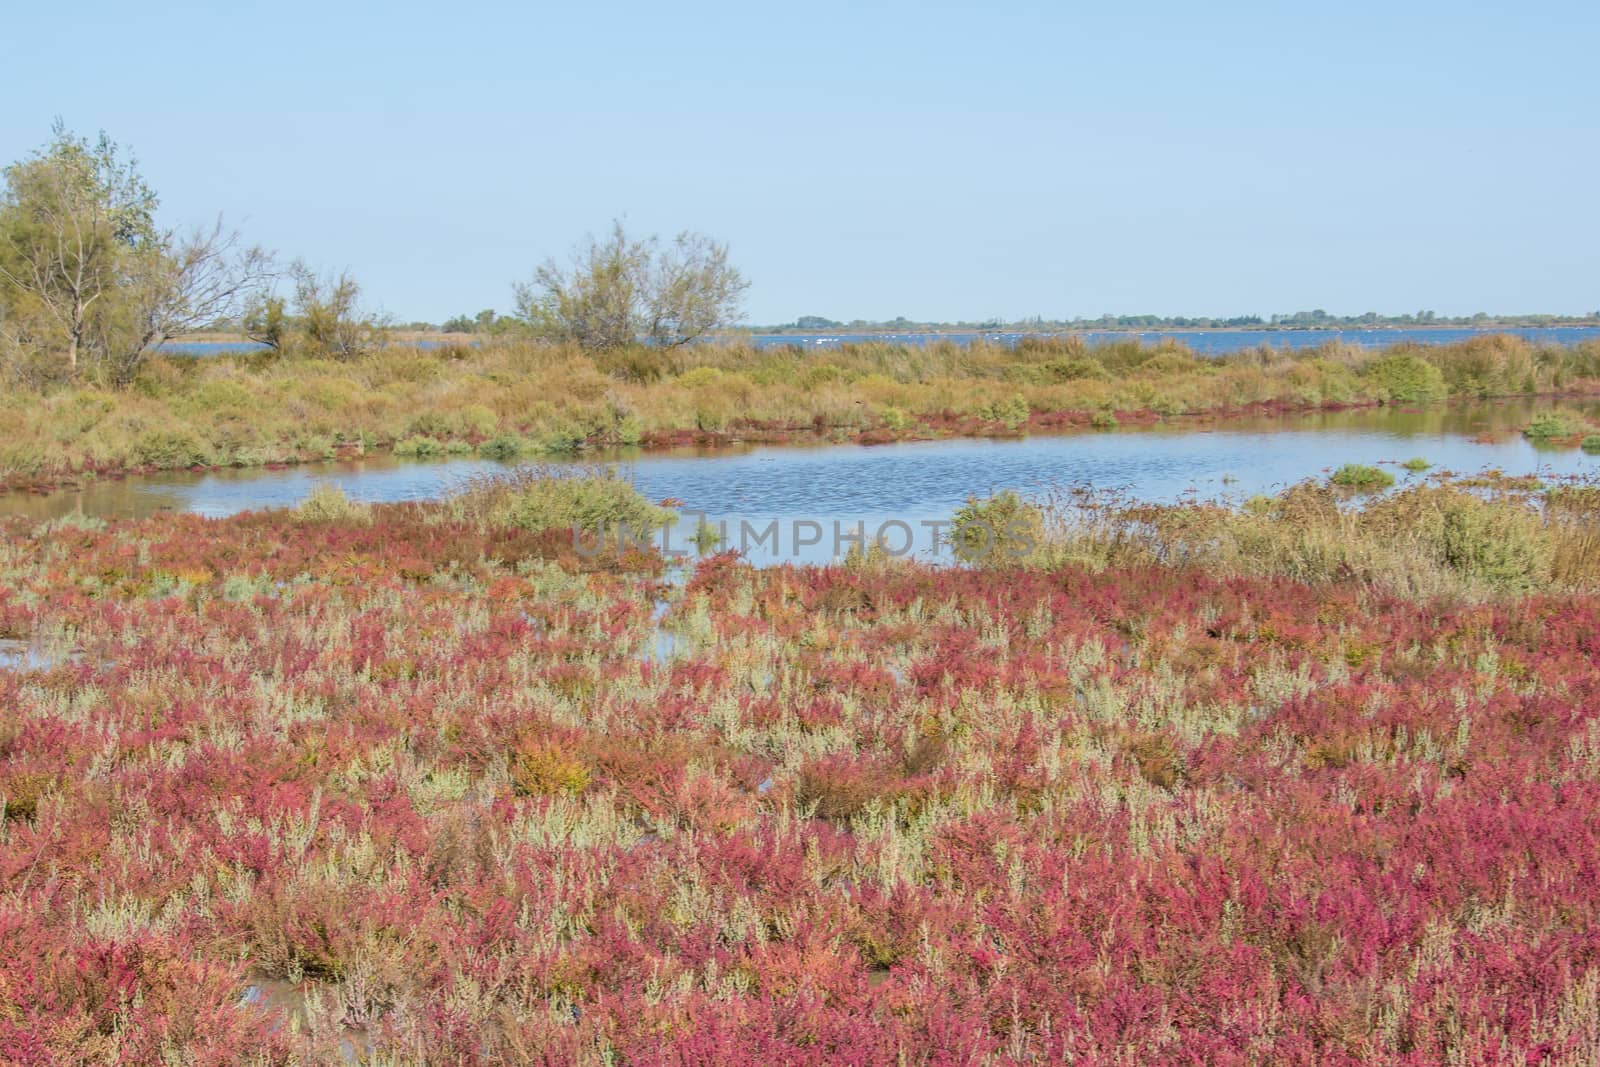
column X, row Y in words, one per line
column 187, row 283
column 691, row 290
column 622, row 291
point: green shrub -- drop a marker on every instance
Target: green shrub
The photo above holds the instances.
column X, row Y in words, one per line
column 1169, row 363
column 1103, row 420
column 999, row 531
column 328, row 503
column 1072, row 370
column 169, row 449
column 506, row 446
column 431, row 424
column 1013, row 412
column 1408, row 380
column 477, row 420
column 821, row 374
column 418, row 447
column 630, row 431
column 22, row 458
column 1500, row 544
column 540, row 500
column 317, row 445
column 563, row 440
column 1361, row 477
column 1591, row 443
column 1416, row 465
column 894, row 418
column 1552, row 425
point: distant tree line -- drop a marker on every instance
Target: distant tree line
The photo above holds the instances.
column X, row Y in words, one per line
column 1317, row 319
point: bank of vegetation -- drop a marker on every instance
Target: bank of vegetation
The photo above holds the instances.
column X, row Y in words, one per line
column 528, row 398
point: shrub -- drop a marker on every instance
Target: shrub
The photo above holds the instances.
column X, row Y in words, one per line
column 1013, row 411
column 1553, row 425
column 1591, row 443
column 1169, row 363
column 535, row 499
column 1072, row 370
column 1416, row 465
column 169, row 449
column 1002, row 530
column 838, row 788
column 431, row 424
column 566, row 439
column 506, row 446
column 418, row 447
column 329, row 503
column 894, row 418
column 317, row 445
column 1500, row 544
column 20, row 795
column 1103, row 420
column 477, row 420
column 1408, row 379
column 1361, row 477
column 543, row 768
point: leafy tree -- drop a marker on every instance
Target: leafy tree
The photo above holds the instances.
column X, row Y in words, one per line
column 620, row 291
column 323, row 317
column 86, row 272
column 72, row 216
column 330, row 316
column 267, row 321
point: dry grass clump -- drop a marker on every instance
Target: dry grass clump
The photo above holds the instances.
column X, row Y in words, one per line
column 589, row 498
column 329, row 503
column 1429, row 539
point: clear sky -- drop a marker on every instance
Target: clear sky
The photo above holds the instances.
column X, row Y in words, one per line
column 937, row 161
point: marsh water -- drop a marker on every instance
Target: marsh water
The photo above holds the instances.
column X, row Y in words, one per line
column 916, row 482
column 1207, row 342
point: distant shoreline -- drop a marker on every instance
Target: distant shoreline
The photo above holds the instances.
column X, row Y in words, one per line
column 1069, row 330
column 439, row 337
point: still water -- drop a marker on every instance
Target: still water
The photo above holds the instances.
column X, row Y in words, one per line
column 918, row 482
column 1210, row 342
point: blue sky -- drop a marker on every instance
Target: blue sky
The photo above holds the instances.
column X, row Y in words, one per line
column 937, row 161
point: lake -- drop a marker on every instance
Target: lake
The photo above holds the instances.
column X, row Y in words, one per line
column 915, row 482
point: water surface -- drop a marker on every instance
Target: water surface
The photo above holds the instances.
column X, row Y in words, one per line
column 1209, row 342
column 915, row 482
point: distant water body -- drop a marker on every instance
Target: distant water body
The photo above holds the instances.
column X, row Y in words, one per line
column 1213, row 342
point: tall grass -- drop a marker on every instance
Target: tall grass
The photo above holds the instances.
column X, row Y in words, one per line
column 1430, row 539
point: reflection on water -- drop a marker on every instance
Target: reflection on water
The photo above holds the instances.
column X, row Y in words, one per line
column 18, row 655
column 919, row 481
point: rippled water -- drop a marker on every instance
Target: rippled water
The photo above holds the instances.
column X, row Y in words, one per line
column 915, row 482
